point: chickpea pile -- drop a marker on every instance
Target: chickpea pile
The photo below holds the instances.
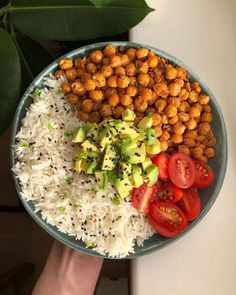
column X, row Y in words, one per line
column 111, row 80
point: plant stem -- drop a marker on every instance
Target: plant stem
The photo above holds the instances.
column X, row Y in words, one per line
column 12, row 30
column 4, row 10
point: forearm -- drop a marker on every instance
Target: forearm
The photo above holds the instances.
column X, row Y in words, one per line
column 68, row 272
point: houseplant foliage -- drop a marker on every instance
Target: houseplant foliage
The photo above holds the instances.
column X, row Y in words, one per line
column 23, row 22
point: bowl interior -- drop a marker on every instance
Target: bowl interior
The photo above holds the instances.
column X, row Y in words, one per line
column 218, row 163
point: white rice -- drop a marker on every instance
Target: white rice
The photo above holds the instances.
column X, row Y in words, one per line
column 44, row 165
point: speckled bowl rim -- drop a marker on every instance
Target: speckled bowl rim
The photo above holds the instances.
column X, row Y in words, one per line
column 53, row 231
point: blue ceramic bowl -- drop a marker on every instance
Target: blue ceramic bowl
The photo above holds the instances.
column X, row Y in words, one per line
column 218, row 164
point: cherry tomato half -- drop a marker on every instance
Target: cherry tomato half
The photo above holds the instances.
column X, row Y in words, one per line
column 190, row 204
column 167, row 191
column 166, row 218
column 142, row 197
column 161, row 161
column 181, row 170
column 204, row 175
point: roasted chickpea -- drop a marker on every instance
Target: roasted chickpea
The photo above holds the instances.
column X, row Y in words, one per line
column 173, row 120
column 78, row 63
column 178, row 128
column 130, row 70
column 106, row 110
column 115, row 61
column 191, row 134
column 143, row 68
column 146, row 94
column 156, row 119
column 109, row 50
column 183, row 149
column 165, row 135
column 197, row 152
column 114, row 100
column 200, row 138
column 89, row 84
column 71, row 74
column 187, row 86
column 151, row 83
column 152, row 61
column 87, row 105
column 140, row 105
column 112, row 81
column 174, row 101
column 131, row 90
column 164, row 119
column 161, row 89
column 177, row 138
column 96, row 95
column 203, row 159
column 174, row 89
column 106, row 61
column 120, row 71
column 196, row 87
column 83, row 116
column 131, row 52
column 94, row 117
column 182, row 73
column 66, row 87
column 189, row 142
column 141, row 53
column 209, row 152
column 158, row 130
column 204, row 128
column 120, row 91
column 194, row 112
column 160, row 105
column 170, row 111
column 203, row 99
column 124, row 59
column 117, row 112
column 125, row 100
column 133, row 81
column 171, row 72
column 151, row 53
column 206, row 117
column 84, row 77
column 191, row 124
column 163, row 145
column 91, row 68
column 66, row 64
column 99, row 79
column 206, row 108
column 107, row 71
column 180, row 82
column 96, row 56
column 198, row 105
column 184, row 117
column 109, row 91
column 78, row 88
column 123, row 81
column 193, row 96
column 184, row 94
column 143, row 79
column 59, row 74
column 184, row 106
column 80, row 72
column 72, row 98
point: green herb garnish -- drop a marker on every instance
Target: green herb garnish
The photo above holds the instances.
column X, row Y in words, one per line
column 59, row 90
column 62, row 208
column 63, row 196
column 90, row 245
column 115, row 200
column 50, row 127
column 68, row 133
column 75, row 206
column 118, row 218
column 69, row 180
column 37, row 92
column 23, row 145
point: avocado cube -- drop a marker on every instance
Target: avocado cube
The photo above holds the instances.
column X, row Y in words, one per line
column 150, row 136
column 128, row 143
column 80, row 136
column 135, row 156
column 102, row 179
column 152, row 174
column 154, row 148
column 145, row 123
column 137, row 177
column 109, row 158
column 91, row 167
column 128, row 115
column 142, row 135
column 89, row 127
column 146, row 163
column 125, row 169
column 90, row 146
column 125, row 130
column 92, row 135
column 123, row 187
column 78, row 165
column 105, row 139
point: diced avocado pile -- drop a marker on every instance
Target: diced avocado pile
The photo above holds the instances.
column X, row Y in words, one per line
column 116, row 151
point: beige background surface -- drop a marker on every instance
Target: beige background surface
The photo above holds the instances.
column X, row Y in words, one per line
column 203, row 34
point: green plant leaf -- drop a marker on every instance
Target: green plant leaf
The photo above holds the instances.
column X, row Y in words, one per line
column 34, row 58
column 10, row 76
column 76, row 20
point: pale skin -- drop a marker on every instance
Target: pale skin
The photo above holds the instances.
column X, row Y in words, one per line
column 68, row 272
